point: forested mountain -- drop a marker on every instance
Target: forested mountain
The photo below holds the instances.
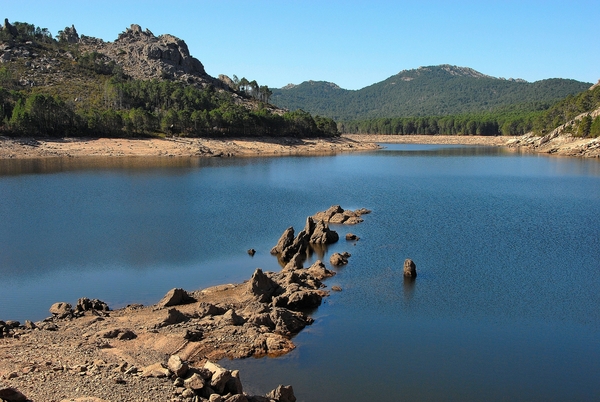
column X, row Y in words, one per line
column 138, row 85
column 426, row 91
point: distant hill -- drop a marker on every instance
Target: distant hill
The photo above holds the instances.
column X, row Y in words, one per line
column 425, row 91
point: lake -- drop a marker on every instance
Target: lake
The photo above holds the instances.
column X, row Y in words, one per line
column 506, row 305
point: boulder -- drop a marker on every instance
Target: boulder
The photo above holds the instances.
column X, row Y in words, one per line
column 11, row 394
column 122, row 334
column 234, row 385
column 231, row 318
column 61, row 310
column 251, row 252
column 157, row 370
column 319, row 271
column 195, row 382
column 85, row 304
column 220, row 376
column 352, row 237
column 174, row 316
column 282, row 394
column 410, row 269
column 338, row 259
column 175, row 297
column 177, row 366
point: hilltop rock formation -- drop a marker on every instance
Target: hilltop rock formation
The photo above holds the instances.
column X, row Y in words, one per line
column 142, row 55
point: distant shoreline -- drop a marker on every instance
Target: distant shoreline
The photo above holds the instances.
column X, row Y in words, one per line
column 31, row 148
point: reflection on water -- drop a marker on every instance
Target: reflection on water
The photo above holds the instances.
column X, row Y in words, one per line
column 505, row 305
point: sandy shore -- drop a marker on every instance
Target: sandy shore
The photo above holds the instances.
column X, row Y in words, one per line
column 28, row 148
column 176, row 147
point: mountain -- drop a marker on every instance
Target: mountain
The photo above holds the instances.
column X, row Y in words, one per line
column 140, row 84
column 425, row 91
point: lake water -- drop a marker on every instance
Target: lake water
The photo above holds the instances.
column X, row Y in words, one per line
column 506, row 305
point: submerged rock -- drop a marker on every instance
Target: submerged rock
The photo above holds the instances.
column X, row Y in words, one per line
column 410, row 269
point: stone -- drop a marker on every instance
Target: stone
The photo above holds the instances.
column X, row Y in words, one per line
column 231, row 318
column 174, row 316
column 286, row 240
column 157, row 370
column 61, row 310
column 234, row 385
column 319, row 271
column 410, row 268
column 237, row 398
column 195, row 382
column 338, row 259
column 251, row 252
column 85, row 304
column 288, row 322
column 261, row 286
column 10, row 394
column 122, row 334
column 352, row 237
column 282, row 394
column 322, row 234
column 220, row 376
column 296, row 262
column 336, row 288
column 175, row 297
column 177, row 366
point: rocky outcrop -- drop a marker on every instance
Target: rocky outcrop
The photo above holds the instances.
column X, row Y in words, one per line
column 69, row 35
column 8, row 27
column 145, row 56
column 289, row 247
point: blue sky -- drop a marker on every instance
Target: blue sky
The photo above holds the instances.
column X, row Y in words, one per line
column 351, row 43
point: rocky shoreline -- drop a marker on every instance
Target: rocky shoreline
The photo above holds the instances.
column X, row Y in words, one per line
column 168, row 351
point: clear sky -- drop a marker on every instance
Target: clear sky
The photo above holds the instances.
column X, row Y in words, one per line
column 352, row 43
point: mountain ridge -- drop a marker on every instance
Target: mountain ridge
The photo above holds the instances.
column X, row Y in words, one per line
column 427, row 90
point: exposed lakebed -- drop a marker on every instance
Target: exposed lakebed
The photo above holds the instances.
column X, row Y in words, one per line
column 505, row 305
